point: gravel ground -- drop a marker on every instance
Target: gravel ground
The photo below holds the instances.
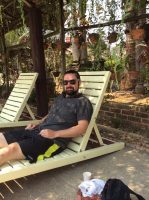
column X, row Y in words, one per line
column 134, row 140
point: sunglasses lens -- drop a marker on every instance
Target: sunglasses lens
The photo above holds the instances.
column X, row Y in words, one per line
column 72, row 82
column 65, row 82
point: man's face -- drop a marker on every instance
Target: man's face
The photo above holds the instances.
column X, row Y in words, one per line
column 71, row 84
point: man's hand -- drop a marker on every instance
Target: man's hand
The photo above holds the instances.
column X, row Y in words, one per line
column 30, row 126
column 48, row 133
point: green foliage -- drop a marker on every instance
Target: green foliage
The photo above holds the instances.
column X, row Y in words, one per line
column 69, row 60
column 1, row 15
column 52, row 57
column 82, row 7
column 92, row 66
column 115, row 63
column 13, row 37
column 21, row 4
column 97, row 49
column 133, row 8
column 144, row 74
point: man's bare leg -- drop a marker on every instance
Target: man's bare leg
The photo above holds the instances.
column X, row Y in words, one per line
column 3, row 142
column 11, row 152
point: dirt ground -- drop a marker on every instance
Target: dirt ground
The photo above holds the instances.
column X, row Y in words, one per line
column 128, row 97
column 129, row 165
column 136, row 141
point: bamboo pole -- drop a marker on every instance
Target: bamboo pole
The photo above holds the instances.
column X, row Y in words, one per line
column 130, row 19
column 62, row 37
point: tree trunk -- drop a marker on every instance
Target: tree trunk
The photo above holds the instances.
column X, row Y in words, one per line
column 62, row 38
column 5, row 61
column 38, row 60
column 132, row 48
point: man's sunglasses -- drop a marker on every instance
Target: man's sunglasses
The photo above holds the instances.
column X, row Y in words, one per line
column 72, row 82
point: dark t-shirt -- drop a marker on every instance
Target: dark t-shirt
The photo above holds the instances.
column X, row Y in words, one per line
column 65, row 113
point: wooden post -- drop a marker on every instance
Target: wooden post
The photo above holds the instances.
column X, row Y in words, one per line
column 36, row 38
column 62, row 37
column 5, row 61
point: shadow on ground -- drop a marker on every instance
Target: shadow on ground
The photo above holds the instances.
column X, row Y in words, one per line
column 129, row 165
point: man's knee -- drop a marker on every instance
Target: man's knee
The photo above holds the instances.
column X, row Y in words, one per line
column 12, row 151
column 3, row 141
column 13, row 147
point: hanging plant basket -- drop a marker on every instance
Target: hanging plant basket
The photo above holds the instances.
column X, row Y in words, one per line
column 133, row 75
column 58, row 44
column 75, row 39
column 56, row 73
column 112, row 37
column 93, row 38
column 68, row 40
column 137, row 34
column 139, row 89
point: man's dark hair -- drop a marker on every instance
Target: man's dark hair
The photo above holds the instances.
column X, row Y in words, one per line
column 73, row 72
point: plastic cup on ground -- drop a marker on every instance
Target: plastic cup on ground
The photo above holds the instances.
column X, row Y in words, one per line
column 87, row 176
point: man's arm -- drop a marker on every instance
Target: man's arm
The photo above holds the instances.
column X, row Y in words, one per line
column 31, row 126
column 67, row 133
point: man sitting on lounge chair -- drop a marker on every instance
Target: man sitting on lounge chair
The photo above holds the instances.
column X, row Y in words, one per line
column 68, row 117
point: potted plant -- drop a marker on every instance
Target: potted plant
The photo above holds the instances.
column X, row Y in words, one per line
column 93, row 38
column 56, row 73
column 112, row 37
column 140, row 89
column 137, row 33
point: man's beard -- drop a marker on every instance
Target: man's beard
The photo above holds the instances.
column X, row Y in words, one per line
column 71, row 92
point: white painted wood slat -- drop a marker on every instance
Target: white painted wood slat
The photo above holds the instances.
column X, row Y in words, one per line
column 77, row 139
column 2, row 120
column 12, row 103
column 92, row 92
column 18, row 94
column 91, row 85
column 94, row 79
column 21, row 86
column 74, row 146
column 8, row 117
column 69, row 152
column 15, row 99
column 25, row 82
column 20, row 90
column 11, row 107
column 93, row 73
column 11, row 112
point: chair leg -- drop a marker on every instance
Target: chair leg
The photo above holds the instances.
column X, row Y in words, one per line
column 30, row 112
column 98, row 135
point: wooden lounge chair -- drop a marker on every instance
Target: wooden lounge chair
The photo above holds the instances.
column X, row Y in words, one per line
column 17, row 102
column 81, row 148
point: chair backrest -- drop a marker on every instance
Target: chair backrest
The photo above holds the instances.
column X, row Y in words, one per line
column 93, row 86
column 19, row 96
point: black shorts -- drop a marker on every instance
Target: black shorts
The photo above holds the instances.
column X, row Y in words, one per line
column 32, row 144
